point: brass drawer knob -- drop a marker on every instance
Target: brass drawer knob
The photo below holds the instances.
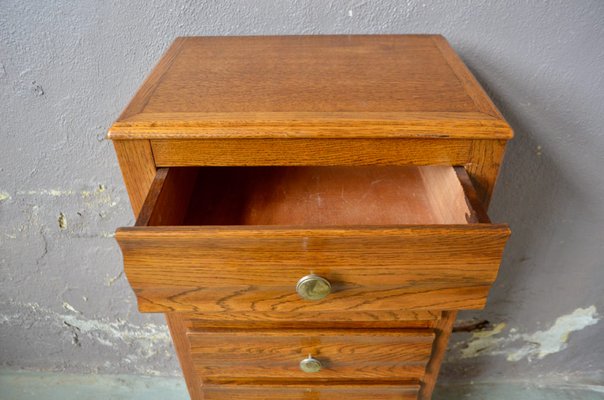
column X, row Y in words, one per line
column 313, row 287
column 310, row 365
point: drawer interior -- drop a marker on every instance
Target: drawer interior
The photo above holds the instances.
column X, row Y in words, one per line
column 235, row 241
column 311, row 196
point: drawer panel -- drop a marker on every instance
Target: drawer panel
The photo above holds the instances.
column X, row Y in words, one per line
column 228, row 240
column 316, row 320
column 310, row 392
column 342, row 354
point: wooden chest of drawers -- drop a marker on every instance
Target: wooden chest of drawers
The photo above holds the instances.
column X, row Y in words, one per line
column 311, row 211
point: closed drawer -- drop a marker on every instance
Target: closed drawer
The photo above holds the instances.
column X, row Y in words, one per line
column 238, row 240
column 256, row 355
column 310, row 392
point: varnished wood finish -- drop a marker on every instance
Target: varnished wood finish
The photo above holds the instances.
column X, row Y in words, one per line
column 316, row 320
column 390, row 100
column 261, row 355
column 168, row 198
column 483, row 167
column 178, row 325
column 138, row 169
column 310, row 86
column 323, row 196
column 443, row 331
column 471, row 196
column 481, row 158
column 240, row 270
column 144, row 93
column 481, row 100
column 218, row 152
column 245, row 268
column 344, row 125
column 349, row 391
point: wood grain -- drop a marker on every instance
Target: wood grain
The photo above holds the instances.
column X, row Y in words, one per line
column 249, row 269
column 304, row 152
column 349, row 391
column 310, row 101
column 321, row 196
column 310, row 86
column 242, row 268
column 443, row 332
column 481, row 158
column 178, row 329
column 485, row 158
column 316, row 320
column 144, row 93
column 257, row 355
column 471, row 86
column 168, row 198
column 471, row 196
column 138, row 169
column 339, row 125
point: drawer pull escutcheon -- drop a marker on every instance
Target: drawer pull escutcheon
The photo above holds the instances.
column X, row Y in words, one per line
column 313, row 287
column 310, row 365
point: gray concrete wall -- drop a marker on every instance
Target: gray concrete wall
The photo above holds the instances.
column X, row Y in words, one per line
column 68, row 68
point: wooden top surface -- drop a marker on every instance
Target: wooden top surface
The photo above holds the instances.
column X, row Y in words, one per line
column 310, row 86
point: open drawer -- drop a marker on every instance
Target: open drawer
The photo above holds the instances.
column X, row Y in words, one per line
column 311, row 239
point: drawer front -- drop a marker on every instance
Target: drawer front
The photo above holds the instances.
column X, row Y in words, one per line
column 309, row 392
column 316, row 320
column 221, row 355
column 229, row 269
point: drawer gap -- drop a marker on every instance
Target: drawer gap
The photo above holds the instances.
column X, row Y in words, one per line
column 311, row 196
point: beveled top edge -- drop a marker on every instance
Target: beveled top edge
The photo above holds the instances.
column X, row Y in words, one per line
column 488, row 123
column 309, row 125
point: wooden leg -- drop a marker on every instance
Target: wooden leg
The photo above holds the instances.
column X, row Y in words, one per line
column 178, row 330
column 443, row 332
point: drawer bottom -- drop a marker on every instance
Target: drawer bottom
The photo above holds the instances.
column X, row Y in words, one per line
column 310, row 392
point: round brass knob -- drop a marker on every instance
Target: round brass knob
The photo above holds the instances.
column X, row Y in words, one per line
column 310, row 365
column 313, row 287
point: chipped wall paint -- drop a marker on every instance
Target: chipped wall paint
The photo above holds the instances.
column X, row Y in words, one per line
column 517, row 346
column 67, row 69
column 146, row 341
column 554, row 339
column 483, row 342
column 62, row 220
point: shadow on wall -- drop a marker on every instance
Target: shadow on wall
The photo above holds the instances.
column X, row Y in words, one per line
column 547, row 207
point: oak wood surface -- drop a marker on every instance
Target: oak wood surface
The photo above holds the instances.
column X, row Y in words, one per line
column 310, row 86
column 471, row 196
column 321, row 196
column 443, row 331
column 168, row 198
column 316, row 320
column 349, row 391
column 138, row 169
column 256, row 355
column 481, row 99
column 142, row 96
column 219, row 269
column 304, row 152
column 243, row 268
column 481, row 158
column 483, row 166
column 329, row 101
column 178, row 329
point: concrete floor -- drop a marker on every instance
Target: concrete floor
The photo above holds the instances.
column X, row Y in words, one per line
column 55, row 386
